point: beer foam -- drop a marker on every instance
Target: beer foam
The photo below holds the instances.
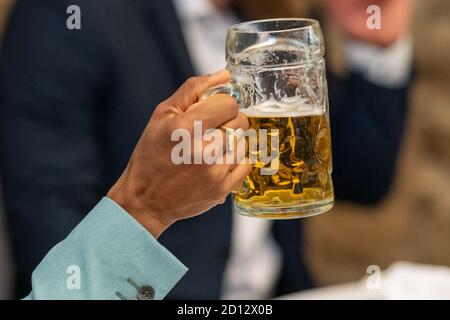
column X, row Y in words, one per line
column 282, row 110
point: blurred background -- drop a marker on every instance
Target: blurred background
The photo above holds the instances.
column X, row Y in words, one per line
column 413, row 222
column 5, row 258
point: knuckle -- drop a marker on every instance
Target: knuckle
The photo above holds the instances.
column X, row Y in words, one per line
column 176, row 103
column 243, row 121
column 191, row 83
column 232, row 104
column 162, row 106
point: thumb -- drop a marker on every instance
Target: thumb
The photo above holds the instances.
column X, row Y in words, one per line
column 191, row 90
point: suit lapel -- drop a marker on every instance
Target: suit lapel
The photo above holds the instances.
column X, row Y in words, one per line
column 164, row 24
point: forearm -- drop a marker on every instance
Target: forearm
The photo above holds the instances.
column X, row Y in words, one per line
column 102, row 257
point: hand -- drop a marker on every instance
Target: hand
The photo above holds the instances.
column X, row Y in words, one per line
column 351, row 17
column 157, row 192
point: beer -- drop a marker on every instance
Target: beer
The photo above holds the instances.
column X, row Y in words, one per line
column 278, row 77
column 302, row 185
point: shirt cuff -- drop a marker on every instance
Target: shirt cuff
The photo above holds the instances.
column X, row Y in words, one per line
column 389, row 67
column 115, row 256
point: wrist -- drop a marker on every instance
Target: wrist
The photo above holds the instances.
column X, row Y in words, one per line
column 132, row 202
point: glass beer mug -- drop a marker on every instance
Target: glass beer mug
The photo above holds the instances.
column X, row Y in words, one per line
column 278, row 77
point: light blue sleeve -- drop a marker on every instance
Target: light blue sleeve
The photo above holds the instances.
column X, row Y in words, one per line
column 109, row 255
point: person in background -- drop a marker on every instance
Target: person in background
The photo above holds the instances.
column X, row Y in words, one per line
column 74, row 102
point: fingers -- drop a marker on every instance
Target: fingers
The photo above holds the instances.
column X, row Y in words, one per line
column 193, row 88
column 231, row 132
column 215, row 111
column 217, row 148
column 239, row 122
column 227, row 181
column 237, row 176
column 236, row 157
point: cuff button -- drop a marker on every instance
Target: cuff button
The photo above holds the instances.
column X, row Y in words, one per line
column 146, row 293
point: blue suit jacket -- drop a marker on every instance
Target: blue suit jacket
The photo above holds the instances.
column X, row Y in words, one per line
column 73, row 104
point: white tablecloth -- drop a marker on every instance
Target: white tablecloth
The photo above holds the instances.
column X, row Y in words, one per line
column 402, row 281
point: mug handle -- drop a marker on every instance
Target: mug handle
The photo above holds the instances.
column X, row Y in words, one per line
column 230, row 88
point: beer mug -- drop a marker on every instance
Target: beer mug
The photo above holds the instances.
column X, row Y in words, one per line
column 278, row 77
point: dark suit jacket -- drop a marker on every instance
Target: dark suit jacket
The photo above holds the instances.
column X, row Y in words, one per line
column 73, row 104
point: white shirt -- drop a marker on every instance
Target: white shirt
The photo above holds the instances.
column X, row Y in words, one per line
column 255, row 260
